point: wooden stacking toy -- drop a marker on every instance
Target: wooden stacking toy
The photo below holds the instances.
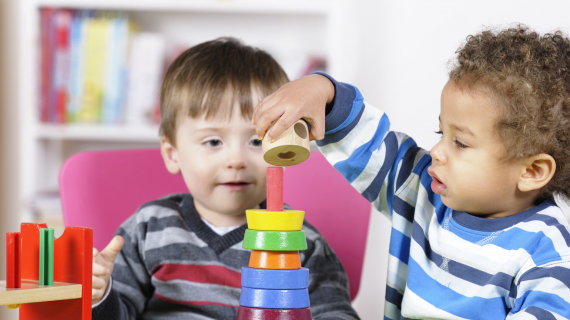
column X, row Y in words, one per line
column 291, row 148
column 48, row 278
column 274, row 285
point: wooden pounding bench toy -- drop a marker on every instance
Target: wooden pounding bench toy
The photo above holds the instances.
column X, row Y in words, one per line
column 47, row 278
column 274, row 285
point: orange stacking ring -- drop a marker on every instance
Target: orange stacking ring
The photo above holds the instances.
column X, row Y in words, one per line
column 275, row 259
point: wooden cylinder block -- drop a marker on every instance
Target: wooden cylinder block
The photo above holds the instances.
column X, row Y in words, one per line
column 274, row 299
column 245, row 313
column 274, row 259
column 274, row 240
column 275, row 279
column 286, row 220
column 291, row 148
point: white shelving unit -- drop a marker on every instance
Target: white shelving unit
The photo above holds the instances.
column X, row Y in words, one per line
column 287, row 29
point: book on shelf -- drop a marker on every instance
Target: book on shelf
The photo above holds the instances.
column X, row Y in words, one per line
column 61, row 24
column 46, row 71
column 97, row 68
column 85, row 75
column 146, row 65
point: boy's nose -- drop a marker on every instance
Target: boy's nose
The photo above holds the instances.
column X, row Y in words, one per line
column 236, row 160
column 437, row 154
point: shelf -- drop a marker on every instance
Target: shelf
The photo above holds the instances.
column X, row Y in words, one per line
column 31, row 292
column 98, row 132
column 309, row 7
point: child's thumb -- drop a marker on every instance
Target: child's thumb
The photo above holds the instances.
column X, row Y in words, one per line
column 317, row 130
column 113, row 248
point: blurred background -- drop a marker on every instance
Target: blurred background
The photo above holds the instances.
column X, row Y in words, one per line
column 79, row 75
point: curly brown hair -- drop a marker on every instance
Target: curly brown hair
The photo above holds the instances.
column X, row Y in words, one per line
column 528, row 75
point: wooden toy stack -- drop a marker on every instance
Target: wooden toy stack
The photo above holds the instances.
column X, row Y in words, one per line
column 48, row 278
column 274, row 286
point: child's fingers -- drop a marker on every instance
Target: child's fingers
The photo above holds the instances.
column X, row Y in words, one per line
column 96, row 294
column 98, row 283
column 284, row 121
column 95, row 253
column 113, row 248
column 99, row 270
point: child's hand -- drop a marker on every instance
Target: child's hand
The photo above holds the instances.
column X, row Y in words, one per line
column 303, row 98
column 103, row 263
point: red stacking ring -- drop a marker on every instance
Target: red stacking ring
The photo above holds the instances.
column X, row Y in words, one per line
column 245, row 313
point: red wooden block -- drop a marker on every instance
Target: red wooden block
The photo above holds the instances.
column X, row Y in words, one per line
column 13, row 277
column 73, row 263
column 274, row 189
column 245, row 313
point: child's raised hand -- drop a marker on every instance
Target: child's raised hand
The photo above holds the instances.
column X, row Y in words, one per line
column 103, row 263
column 303, row 98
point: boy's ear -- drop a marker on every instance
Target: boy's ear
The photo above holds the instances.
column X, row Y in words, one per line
column 537, row 172
column 169, row 155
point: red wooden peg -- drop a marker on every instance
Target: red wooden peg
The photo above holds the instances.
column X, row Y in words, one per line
column 274, row 189
column 13, row 276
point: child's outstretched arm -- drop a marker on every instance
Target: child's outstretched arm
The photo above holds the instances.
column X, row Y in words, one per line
column 357, row 140
column 305, row 98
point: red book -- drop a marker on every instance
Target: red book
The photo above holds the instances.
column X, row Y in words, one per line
column 62, row 25
column 46, row 15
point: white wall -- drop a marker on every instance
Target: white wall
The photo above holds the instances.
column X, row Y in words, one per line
column 400, row 66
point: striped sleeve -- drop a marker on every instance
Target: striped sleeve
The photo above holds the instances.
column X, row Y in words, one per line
column 358, row 143
column 543, row 293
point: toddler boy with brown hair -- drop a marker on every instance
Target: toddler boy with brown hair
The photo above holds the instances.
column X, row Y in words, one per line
column 182, row 254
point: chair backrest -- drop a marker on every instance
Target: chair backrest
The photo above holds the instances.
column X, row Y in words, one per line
column 102, row 189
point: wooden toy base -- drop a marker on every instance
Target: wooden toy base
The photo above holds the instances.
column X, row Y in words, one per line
column 245, row 313
column 31, row 291
column 70, row 295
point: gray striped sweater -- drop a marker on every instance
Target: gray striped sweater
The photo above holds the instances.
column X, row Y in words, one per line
column 173, row 266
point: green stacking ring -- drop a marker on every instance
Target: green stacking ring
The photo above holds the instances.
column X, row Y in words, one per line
column 275, row 240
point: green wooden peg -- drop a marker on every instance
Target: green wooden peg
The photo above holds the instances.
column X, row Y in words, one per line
column 46, row 256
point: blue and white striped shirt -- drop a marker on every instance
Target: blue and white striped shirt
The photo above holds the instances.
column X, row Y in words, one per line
column 442, row 263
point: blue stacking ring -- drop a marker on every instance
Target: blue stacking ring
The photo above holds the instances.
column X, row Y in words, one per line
column 274, row 299
column 275, row 278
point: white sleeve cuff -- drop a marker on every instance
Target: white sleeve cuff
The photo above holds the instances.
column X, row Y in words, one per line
column 105, row 295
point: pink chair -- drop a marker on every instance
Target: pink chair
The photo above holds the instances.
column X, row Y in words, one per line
column 102, row 189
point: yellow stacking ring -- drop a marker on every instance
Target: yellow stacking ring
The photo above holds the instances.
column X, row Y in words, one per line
column 286, row 220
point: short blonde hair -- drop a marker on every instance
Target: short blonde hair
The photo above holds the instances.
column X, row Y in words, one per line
column 199, row 80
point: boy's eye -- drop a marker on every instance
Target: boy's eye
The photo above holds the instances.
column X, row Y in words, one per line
column 439, row 132
column 213, row 143
column 256, row 143
column 459, row 144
